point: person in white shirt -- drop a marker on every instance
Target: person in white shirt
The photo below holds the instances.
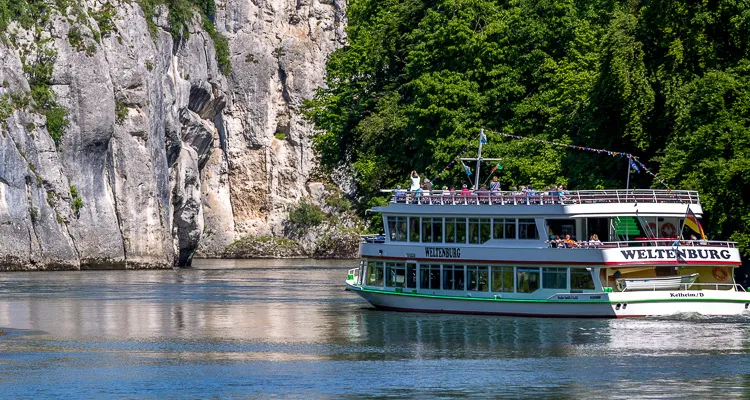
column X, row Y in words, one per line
column 415, row 181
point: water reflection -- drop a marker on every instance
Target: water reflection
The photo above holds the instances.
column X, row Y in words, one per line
column 291, row 325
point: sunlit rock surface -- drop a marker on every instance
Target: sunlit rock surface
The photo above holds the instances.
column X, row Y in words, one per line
column 164, row 158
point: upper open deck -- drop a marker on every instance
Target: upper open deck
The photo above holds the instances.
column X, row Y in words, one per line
column 444, row 197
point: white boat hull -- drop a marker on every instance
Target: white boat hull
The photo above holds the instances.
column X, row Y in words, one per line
column 606, row 305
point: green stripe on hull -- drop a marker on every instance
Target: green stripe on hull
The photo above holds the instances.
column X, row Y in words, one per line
column 676, row 299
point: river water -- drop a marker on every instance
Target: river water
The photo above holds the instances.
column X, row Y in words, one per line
column 275, row 328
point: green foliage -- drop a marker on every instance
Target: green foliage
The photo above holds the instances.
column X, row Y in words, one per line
column 75, row 38
column 121, row 112
column 181, row 13
column 280, row 135
column 56, row 122
column 77, row 201
column 667, row 81
column 337, row 201
column 220, row 44
column 104, row 18
column 305, row 215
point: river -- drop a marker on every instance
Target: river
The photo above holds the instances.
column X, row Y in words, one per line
column 286, row 328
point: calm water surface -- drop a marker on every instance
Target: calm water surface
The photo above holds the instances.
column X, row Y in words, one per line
column 260, row 329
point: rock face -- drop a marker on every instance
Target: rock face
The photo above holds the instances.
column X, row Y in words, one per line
column 163, row 156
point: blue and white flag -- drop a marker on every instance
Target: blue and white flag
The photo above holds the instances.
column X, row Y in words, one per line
column 468, row 171
column 634, row 166
column 482, row 138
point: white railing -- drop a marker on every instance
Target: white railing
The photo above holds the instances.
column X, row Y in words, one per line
column 353, row 275
column 687, row 286
column 441, row 197
column 674, row 243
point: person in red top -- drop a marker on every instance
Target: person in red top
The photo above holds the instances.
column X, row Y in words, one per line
column 465, row 191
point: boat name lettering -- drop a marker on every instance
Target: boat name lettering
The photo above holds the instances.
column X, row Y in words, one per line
column 442, row 252
column 690, row 254
column 595, row 297
column 567, row 297
column 686, row 295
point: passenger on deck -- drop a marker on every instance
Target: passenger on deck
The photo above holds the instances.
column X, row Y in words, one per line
column 483, row 193
column 494, row 185
column 465, row 191
column 415, row 180
column 568, row 242
column 399, row 194
column 594, row 241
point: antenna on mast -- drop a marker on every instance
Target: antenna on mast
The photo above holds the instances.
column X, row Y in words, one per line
column 479, row 159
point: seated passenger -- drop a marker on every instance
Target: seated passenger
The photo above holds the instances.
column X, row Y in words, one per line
column 400, row 194
column 594, row 241
column 465, row 191
column 483, row 193
column 568, row 242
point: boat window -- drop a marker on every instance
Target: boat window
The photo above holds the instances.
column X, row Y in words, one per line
column 527, row 229
column 453, row 277
column 414, row 229
column 504, row 228
column 450, row 230
column 527, row 280
column 375, row 273
column 580, row 278
column 502, row 279
column 395, row 274
column 554, row 278
column 484, row 230
column 460, row 230
column 427, row 230
column 429, row 276
column 476, row 277
column 411, row 275
column 455, row 230
column 437, row 230
column 397, row 229
column 432, row 230
column 474, row 230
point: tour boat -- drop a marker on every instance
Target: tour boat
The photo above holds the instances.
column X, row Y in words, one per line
column 490, row 253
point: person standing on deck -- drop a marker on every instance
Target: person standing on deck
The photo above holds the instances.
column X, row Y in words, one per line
column 494, row 185
column 415, row 181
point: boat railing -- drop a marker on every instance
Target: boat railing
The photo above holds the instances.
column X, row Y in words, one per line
column 694, row 287
column 372, row 239
column 675, row 244
column 484, row 197
column 353, row 275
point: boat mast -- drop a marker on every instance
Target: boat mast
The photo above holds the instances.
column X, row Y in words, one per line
column 479, row 160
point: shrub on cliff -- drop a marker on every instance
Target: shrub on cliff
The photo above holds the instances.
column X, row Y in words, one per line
column 342, row 243
column 263, row 247
column 304, row 215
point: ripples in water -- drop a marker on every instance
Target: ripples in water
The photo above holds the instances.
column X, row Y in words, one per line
column 287, row 329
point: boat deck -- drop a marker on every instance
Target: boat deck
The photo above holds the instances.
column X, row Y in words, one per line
column 442, row 197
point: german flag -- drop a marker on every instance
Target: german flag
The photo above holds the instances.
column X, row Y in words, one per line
column 692, row 222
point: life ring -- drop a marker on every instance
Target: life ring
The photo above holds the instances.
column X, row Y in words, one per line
column 668, row 230
column 719, row 274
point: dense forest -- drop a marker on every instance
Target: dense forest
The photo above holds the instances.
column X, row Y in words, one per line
column 668, row 81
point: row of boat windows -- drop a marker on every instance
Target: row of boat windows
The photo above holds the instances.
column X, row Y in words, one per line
column 459, row 230
column 478, row 278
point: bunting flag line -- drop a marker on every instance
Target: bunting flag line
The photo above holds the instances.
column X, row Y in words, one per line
column 468, row 171
column 634, row 166
column 635, row 162
column 451, row 163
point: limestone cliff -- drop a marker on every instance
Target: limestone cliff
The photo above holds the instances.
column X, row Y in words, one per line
column 158, row 153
